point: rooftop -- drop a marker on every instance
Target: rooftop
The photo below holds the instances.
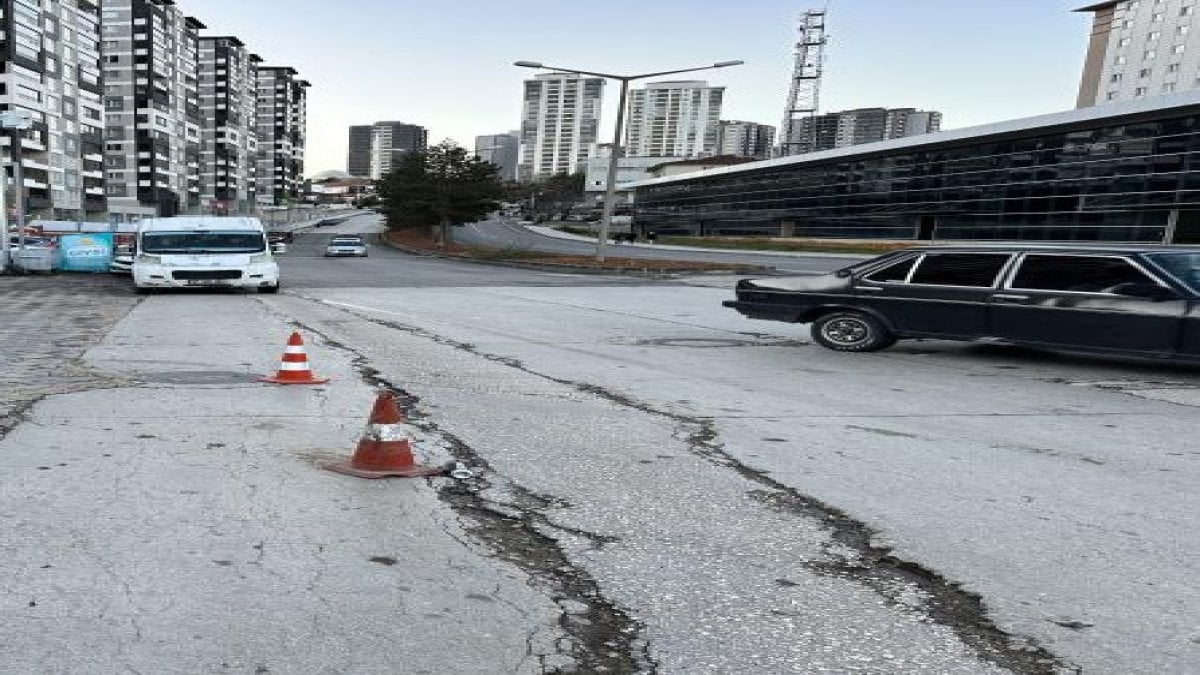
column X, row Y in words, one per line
column 1144, row 106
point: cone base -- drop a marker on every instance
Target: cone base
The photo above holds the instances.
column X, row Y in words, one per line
column 275, row 379
column 410, row 472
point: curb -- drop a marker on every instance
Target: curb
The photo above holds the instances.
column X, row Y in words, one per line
column 575, row 269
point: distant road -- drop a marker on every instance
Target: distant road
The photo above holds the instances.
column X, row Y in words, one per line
column 503, row 234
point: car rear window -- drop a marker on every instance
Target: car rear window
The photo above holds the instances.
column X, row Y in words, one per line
column 978, row 270
column 1079, row 274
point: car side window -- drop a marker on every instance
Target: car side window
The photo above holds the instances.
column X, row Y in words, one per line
column 1079, row 274
column 894, row 273
column 978, row 270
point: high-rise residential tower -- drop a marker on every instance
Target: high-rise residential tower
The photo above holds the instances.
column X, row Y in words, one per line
column 391, row 141
column 560, row 121
column 51, row 70
column 229, row 134
column 282, row 128
column 867, row 125
column 1140, row 48
column 152, row 108
column 503, row 150
column 674, row 119
column 358, row 159
column 745, row 139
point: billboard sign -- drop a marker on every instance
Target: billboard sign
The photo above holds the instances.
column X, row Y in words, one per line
column 85, row 252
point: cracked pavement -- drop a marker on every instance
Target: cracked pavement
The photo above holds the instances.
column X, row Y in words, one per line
column 661, row 487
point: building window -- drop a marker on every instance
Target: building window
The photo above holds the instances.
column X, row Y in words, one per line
column 1177, row 49
column 1186, row 11
column 1149, row 54
column 1182, row 30
column 1140, row 91
column 1168, row 87
column 1157, row 16
column 1144, row 72
column 1123, row 42
column 1116, row 77
column 1173, row 68
column 1119, row 61
column 1110, row 96
column 1153, row 35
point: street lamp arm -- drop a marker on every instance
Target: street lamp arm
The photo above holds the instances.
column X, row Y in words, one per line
column 542, row 66
column 723, row 64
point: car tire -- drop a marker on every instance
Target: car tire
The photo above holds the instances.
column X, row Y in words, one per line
column 142, row 290
column 269, row 289
column 850, row 331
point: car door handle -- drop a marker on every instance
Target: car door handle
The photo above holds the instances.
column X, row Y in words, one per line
column 869, row 288
column 1009, row 297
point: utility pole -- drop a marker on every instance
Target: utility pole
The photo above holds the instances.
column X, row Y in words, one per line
column 15, row 121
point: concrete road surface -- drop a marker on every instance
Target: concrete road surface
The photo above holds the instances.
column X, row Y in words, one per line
column 664, row 487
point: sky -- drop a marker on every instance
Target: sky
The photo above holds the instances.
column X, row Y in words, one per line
column 447, row 64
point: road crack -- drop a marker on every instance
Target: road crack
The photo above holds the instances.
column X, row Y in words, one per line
column 853, row 555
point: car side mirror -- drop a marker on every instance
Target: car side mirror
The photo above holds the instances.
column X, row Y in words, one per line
column 1146, row 291
column 842, row 274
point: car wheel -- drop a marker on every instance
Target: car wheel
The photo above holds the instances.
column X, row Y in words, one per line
column 269, row 289
column 848, row 331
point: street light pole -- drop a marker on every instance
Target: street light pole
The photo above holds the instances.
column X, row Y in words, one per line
column 16, row 121
column 610, row 190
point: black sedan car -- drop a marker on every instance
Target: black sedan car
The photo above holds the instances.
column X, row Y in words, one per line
column 1121, row 299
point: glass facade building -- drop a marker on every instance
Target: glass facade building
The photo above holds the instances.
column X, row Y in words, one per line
column 1120, row 172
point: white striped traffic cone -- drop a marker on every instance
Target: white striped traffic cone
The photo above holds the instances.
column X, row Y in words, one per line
column 294, row 368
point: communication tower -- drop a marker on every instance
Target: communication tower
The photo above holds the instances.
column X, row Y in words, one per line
column 798, row 133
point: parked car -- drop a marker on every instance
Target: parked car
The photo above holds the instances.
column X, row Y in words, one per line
column 122, row 263
column 346, row 245
column 31, row 242
column 1141, row 300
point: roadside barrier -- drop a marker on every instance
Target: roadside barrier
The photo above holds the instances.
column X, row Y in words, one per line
column 294, row 367
column 385, row 449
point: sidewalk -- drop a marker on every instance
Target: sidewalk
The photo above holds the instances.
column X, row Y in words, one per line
column 558, row 234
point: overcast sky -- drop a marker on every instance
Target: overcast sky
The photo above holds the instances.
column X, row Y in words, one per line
column 446, row 64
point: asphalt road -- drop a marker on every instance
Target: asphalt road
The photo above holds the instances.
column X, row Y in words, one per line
column 664, row 487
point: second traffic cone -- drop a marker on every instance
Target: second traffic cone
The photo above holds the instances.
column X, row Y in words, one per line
column 385, row 448
column 294, row 368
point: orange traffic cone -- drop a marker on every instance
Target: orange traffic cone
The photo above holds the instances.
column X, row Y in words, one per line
column 385, row 448
column 294, row 369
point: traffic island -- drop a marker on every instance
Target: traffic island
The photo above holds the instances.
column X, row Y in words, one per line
column 419, row 243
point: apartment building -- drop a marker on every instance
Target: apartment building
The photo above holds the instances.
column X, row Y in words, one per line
column 151, row 108
column 51, row 70
column 560, row 121
column 868, row 125
column 358, row 160
column 229, row 133
column 282, row 124
column 736, row 138
column 391, row 141
column 503, row 150
column 674, row 119
column 1140, row 48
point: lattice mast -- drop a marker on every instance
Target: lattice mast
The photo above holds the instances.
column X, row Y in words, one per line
column 798, row 133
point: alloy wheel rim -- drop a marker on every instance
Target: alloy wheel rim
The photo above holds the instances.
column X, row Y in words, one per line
column 846, row 331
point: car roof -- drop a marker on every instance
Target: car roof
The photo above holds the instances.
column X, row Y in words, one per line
column 1058, row 248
